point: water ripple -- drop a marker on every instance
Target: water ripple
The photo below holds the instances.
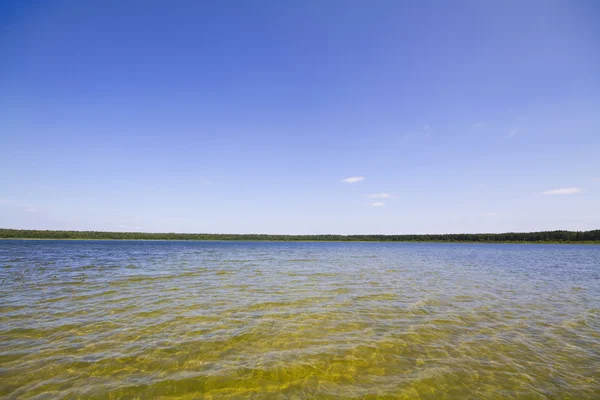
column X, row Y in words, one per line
column 181, row 320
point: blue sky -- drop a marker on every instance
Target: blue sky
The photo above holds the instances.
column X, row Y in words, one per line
column 234, row 116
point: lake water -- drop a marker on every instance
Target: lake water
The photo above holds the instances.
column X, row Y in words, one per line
column 220, row 320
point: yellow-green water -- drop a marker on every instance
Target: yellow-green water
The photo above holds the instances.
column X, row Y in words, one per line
column 220, row 320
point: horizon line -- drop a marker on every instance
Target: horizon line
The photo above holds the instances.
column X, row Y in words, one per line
column 291, row 234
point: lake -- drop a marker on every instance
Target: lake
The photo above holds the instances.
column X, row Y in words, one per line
column 220, row 320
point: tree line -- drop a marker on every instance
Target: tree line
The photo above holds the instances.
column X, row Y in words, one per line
column 524, row 237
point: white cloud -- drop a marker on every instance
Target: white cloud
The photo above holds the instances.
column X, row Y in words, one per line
column 596, row 179
column 427, row 130
column 16, row 204
column 354, row 179
column 478, row 125
column 379, row 196
column 9, row 202
column 378, row 204
column 489, row 214
column 131, row 228
column 424, row 131
column 570, row 190
column 512, row 132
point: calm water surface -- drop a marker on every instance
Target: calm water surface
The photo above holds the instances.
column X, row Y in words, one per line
column 186, row 320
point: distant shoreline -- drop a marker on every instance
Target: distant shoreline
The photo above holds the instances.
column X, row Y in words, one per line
column 288, row 241
column 549, row 237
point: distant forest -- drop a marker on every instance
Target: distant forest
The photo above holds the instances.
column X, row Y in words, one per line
column 518, row 237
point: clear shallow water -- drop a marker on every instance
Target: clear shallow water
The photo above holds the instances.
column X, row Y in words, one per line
column 185, row 320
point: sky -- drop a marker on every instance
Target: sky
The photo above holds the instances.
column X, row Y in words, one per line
column 300, row 117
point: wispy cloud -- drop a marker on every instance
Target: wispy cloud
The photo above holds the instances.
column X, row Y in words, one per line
column 569, row 190
column 423, row 131
column 128, row 227
column 379, row 196
column 490, row 214
column 17, row 204
column 354, row 179
column 512, row 132
column 8, row 202
column 378, row 204
column 478, row 125
column 596, row 179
